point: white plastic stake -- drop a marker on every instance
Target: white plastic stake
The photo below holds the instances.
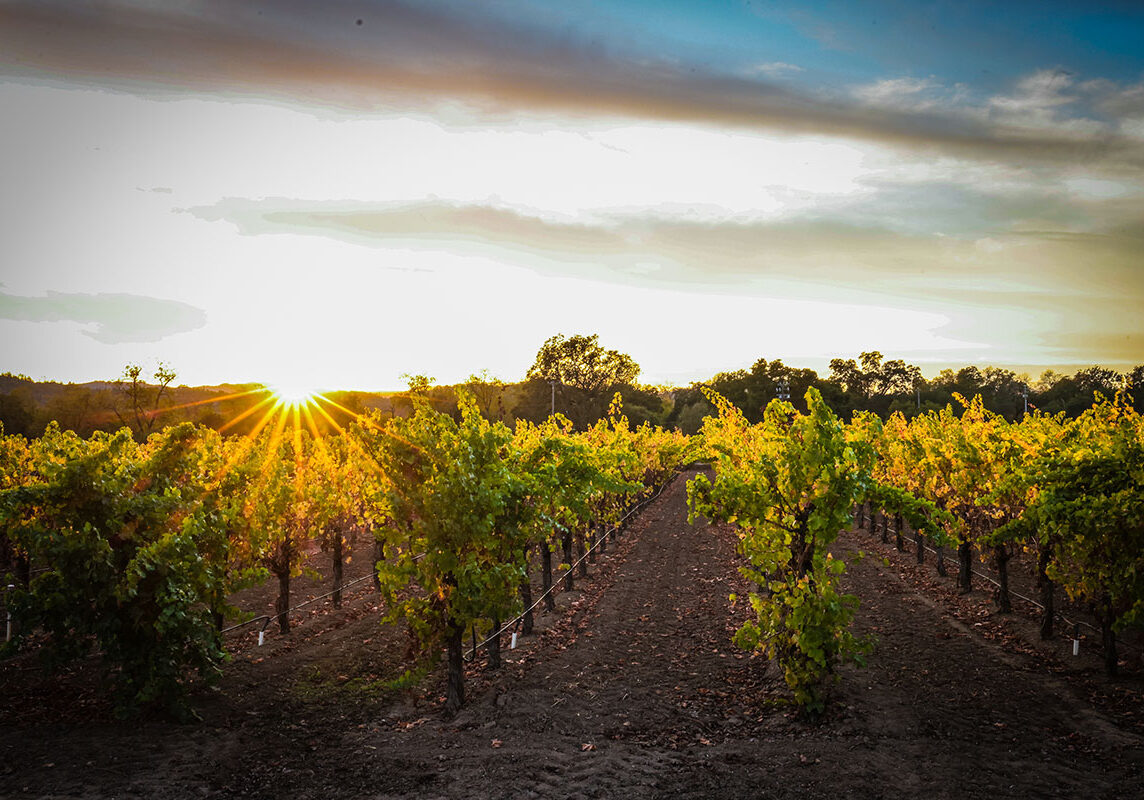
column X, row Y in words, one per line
column 513, row 645
column 8, row 632
column 1076, row 639
column 261, row 637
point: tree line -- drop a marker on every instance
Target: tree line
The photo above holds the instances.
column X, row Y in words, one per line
column 871, row 383
column 577, row 376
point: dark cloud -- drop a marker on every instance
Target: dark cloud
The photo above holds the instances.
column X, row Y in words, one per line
column 118, row 318
column 430, row 57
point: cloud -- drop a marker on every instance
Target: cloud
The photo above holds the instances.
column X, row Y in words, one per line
column 1077, row 294
column 640, row 249
column 1115, row 100
column 438, row 59
column 898, row 92
column 1051, row 271
column 118, row 318
column 1038, row 103
column 774, row 69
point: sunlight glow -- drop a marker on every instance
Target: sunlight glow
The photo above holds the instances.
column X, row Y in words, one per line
column 293, row 395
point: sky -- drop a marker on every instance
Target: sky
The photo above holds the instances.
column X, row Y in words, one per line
column 335, row 194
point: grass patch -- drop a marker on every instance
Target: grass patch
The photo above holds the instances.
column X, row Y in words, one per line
column 317, row 687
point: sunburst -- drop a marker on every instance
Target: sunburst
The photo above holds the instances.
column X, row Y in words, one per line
column 294, row 395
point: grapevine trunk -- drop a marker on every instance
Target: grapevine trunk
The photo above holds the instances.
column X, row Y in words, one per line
column 337, row 565
column 1001, row 555
column 455, row 686
column 964, row 567
column 1045, row 584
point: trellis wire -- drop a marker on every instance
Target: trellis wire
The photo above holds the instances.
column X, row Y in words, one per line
column 556, row 581
column 1031, row 601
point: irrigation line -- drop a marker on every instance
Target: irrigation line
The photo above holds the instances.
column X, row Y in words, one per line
column 270, row 617
column 1029, row 600
column 556, row 582
column 571, row 568
column 266, row 619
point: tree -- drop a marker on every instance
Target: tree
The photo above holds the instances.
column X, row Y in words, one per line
column 871, row 383
column 1097, row 379
column 642, row 405
column 15, row 414
column 1004, row 391
column 1074, row 395
column 80, row 409
column 138, row 401
column 1135, row 381
column 488, row 392
column 1049, row 378
column 688, row 416
column 581, row 362
column 418, row 384
column 586, row 374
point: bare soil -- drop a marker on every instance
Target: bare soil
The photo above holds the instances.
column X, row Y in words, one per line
column 630, row 688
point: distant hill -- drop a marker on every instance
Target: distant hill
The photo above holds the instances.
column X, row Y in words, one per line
column 27, row 406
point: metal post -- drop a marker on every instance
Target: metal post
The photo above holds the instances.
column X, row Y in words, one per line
column 552, row 412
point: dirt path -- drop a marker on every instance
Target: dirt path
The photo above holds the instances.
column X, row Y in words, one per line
column 633, row 690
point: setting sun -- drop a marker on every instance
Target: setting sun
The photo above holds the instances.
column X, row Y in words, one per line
column 293, row 394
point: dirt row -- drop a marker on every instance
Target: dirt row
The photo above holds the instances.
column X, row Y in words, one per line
column 1071, row 617
column 631, row 688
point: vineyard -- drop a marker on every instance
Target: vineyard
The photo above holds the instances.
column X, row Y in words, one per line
column 735, row 619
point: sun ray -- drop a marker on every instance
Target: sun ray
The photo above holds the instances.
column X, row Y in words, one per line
column 329, row 418
column 209, row 400
column 232, row 459
column 311, row 423
column 369, row 422
column 362, row 418
column 296, row 413
column 351, row 440
column 247, row 413
column 274, row 442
